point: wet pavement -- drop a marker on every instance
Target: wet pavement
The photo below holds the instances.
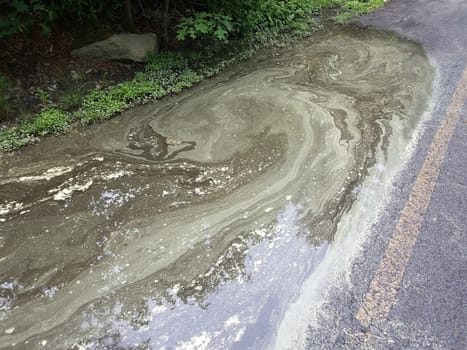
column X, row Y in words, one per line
column 428, row 308
column 234, row 216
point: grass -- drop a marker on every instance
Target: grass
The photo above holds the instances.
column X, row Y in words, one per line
column 164, row 74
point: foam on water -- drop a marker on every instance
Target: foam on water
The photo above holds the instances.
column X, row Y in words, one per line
column 195, row 221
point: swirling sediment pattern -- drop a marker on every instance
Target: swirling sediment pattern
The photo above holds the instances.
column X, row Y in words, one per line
column 191, row 223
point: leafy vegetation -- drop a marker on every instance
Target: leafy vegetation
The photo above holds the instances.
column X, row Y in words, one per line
column 210, row 19
column 220, row 19
column 44, row 97
column 24, row 15
column 51, row 121
column 164, row 74
column 214, row 22
column 352, row 8
column 72, row 88
column 205, row 25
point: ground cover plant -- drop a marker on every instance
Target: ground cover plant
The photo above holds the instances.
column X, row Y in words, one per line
column 209, row 35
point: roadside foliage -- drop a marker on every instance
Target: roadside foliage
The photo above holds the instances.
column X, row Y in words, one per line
column 197, row 31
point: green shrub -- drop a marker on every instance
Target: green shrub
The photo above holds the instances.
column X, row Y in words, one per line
column 185, row 80
column 20, row 16
column 71, row 87
column 206, row 25
column 72, row 100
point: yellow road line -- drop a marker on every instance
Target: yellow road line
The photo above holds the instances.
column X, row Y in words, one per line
column 383, row 288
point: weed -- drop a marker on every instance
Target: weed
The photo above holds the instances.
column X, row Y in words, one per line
column 207, row 25
column 13, row 138
column 44, row 97
column 98, row 105
column 51, row 121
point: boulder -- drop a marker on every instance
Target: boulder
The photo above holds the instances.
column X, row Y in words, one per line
column 121, row 47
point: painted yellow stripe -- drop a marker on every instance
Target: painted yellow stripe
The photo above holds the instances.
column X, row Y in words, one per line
column 383, row 288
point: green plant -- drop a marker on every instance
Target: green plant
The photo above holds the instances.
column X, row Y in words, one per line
column 163, row 69
column 51, row 121
column 185, row 80
column 352, row 8
column 44, row 97
column 20, row 15
column 98, row 105
column 168, row 72
column 13, row 138
column 135, row 91
column 23, row 15
column 165, row 62
column 71, row 88
column 205, row 25
column 72, row 100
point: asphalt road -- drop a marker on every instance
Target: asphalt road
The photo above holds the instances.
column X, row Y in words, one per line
column 408, row 287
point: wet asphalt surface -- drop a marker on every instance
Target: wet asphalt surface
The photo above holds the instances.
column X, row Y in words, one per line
column 429, row 308
column 117, row 259
column 429, row 311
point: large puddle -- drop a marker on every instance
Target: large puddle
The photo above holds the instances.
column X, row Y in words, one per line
column 193, row 222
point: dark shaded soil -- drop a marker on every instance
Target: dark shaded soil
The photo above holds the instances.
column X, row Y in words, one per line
column 34, row 63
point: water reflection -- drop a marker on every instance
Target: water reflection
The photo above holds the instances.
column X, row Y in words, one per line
column 253, row 284
column 193, row 222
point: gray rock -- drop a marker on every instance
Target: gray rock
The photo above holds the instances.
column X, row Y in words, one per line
column 121, row 47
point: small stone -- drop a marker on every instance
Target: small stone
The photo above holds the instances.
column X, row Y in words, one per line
column 10, row 330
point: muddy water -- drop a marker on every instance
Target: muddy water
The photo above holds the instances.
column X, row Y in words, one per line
column 193, row 222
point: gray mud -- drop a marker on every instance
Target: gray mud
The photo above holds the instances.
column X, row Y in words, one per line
column 191, row 223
